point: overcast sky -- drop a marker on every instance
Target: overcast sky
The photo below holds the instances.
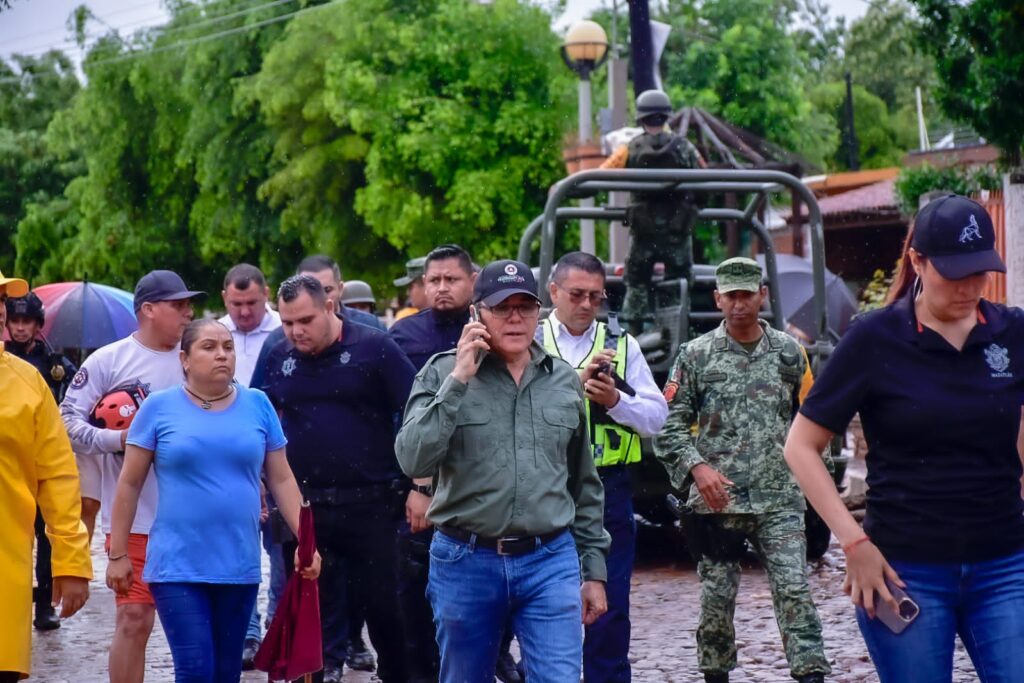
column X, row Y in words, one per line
column 33, row 26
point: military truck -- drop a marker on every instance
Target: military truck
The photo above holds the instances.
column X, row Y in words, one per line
column 684, row 309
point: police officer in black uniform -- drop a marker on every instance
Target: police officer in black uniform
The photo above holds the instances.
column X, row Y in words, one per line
column 24, row 319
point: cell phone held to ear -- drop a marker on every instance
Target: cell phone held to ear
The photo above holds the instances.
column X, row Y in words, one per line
column 900, row 617
column 474, row 317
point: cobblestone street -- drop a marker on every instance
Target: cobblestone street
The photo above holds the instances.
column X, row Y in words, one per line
column 665, row 600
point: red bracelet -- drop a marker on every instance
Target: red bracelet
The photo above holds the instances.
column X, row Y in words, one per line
column 853, row 544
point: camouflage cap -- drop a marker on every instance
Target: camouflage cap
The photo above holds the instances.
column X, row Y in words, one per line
column 738, row 273
column 413, row 271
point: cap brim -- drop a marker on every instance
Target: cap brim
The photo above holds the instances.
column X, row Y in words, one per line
column 14, row 286
column 501, row 295
column 959, row 266
column 185, row 295
column 723, row 289
column 403, row 282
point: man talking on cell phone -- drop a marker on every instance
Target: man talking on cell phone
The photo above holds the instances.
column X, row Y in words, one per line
column 517, row 500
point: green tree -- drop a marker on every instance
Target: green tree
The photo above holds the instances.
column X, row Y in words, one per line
column 739, row 59
column 31, row 90
column 879, row 141
column 980, row 59
column 456, row 113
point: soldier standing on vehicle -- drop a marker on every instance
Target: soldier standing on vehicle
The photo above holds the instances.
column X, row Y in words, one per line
column 742, row 384
column 661, row 224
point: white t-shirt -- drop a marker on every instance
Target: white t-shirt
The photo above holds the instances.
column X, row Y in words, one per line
column 249, row 344
column 122, row 362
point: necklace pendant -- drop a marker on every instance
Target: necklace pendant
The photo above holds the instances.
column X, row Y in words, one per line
column 207, row 405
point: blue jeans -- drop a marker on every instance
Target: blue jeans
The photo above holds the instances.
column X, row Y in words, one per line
column 606, row 645
column 475, row 593
column 982, row 602
column 205, row 626
column 276, row 587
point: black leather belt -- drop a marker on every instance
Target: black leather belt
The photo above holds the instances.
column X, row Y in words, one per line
column 505, row 545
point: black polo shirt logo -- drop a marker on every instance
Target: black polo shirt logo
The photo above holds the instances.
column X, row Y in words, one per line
column 998, row 359
column 288, row 366
column 345, row 357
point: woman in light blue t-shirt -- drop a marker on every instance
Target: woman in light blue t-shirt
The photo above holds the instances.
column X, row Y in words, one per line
column 208, row 441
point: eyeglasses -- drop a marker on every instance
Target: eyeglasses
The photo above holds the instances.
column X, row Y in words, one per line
column 527, row 310
column 578, row 295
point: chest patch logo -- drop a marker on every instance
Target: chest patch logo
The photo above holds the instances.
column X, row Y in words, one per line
column 288, row 367
column 998, row 359
column 971, row 231
column 345, row 358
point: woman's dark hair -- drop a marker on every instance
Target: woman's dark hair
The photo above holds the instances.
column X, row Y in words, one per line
column 904, row 278
column 188, row 338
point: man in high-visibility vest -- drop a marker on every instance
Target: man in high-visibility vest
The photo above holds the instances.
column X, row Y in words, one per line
column 623, row 405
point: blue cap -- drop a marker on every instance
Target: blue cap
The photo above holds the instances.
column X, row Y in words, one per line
column 957, row 236
column 162, row 285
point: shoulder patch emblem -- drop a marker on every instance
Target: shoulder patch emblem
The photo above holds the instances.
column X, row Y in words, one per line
column 80, row 379
column 670, row 391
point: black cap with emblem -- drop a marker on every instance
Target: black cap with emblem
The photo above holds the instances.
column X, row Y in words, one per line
column 501, row 279
column 957, row 236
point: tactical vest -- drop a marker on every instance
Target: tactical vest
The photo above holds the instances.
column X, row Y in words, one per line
column 613, row 444
column 658, row 151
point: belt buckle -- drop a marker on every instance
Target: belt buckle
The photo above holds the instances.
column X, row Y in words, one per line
column 503, row 540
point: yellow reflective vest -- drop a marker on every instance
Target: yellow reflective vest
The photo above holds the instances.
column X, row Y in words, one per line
column 613, row 444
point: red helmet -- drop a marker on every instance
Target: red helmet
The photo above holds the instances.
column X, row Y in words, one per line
column 117, row 408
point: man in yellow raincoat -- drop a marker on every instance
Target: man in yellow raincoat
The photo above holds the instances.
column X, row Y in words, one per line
column 36, row 467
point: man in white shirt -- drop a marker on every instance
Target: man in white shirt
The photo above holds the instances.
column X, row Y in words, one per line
column 619, row 415
column 139, row 364
column 250, row 318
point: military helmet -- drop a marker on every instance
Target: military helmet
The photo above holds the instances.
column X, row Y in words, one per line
column 653, row 103
column 357, row 292
column 28, row 306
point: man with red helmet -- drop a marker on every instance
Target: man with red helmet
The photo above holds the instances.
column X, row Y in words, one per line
column 25, row 318
column 147, row 361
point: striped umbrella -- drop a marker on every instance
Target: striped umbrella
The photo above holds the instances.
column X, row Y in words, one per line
column 86, row 315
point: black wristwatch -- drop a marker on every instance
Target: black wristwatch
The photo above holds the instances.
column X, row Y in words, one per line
column 425, row 489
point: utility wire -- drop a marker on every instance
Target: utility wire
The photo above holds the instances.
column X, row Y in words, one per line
column 149, row 22
column 212, row 36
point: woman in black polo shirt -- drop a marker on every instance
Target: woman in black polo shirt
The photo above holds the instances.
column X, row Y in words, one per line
column 937, row 377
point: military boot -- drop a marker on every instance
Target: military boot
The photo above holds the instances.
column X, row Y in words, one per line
column 716, row 678
column 811, row 678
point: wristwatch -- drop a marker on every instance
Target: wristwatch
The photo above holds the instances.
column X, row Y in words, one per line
column 425, row 489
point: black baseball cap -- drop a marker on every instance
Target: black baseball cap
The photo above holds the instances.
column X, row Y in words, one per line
column 957, row 236
column 501, row 279
column 162, row 285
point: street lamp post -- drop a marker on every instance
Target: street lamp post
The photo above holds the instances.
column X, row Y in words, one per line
column 584, row 50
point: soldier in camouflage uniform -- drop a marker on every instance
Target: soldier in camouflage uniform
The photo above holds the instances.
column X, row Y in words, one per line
column 661, row 224
column 741, row 384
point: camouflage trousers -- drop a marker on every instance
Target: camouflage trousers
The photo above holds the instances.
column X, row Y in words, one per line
column 661, row 232
column 779, row 541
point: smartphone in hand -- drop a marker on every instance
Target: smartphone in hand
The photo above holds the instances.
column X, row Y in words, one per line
column 905, row 613
column 474, row 317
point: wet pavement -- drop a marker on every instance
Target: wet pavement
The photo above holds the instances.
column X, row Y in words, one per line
column 664, row 609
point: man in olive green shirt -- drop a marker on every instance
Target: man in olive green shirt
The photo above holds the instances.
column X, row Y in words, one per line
column 500, row 425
